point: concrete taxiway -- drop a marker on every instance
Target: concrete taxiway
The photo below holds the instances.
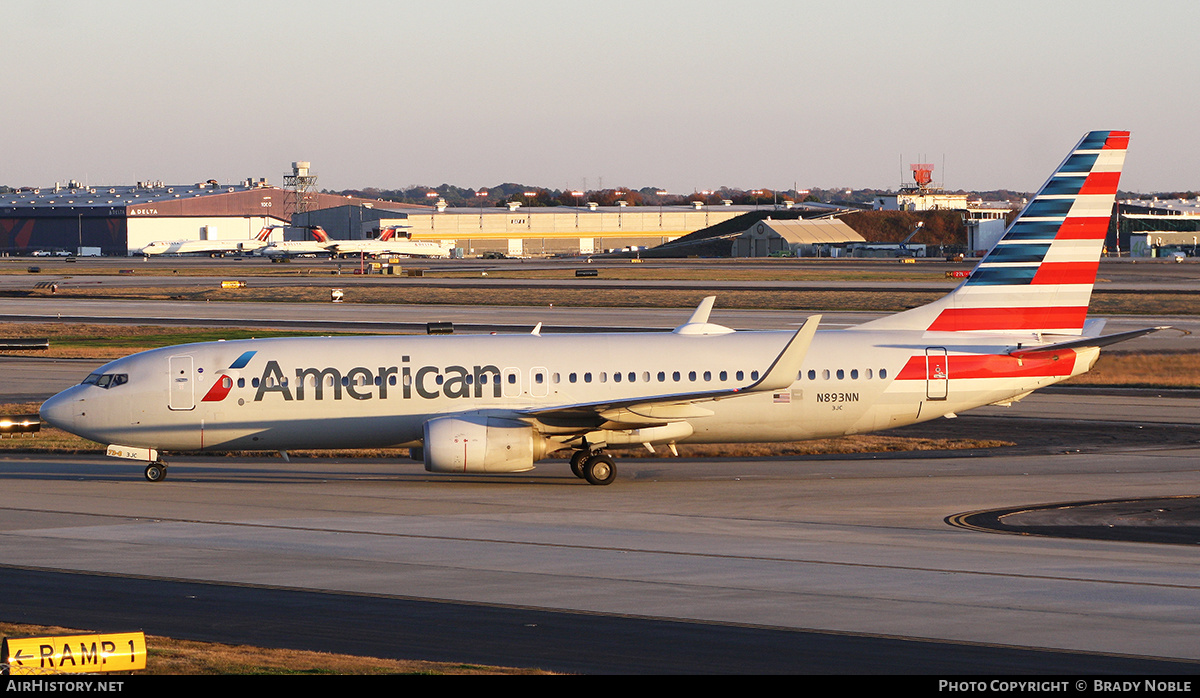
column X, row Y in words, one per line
column 855, row 546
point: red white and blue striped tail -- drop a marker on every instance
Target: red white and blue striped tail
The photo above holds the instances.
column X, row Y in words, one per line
column 1039, row 276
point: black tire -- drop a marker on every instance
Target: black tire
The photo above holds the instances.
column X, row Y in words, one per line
column 155, row 472
column 600, row 470
column 577, row 460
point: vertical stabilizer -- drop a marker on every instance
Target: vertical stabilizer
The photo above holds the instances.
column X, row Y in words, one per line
column 1039, row 276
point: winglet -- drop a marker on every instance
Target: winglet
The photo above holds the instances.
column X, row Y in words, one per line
column 675, row 407
column 783, row 372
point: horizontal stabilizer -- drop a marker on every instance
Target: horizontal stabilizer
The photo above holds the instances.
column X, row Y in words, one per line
column 1087, row 342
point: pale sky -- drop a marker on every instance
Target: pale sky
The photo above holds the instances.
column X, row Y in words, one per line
column 685, row 95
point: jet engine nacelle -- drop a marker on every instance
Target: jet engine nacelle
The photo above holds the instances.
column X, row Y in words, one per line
column 481, row 445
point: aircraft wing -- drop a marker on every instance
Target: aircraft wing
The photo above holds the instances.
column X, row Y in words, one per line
column 1087, row 342
column 643, row 411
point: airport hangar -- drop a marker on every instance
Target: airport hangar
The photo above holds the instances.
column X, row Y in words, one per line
column 518, row 231
column 121, row 220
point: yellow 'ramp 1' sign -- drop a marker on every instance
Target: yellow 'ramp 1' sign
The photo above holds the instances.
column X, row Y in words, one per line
column 74, row 654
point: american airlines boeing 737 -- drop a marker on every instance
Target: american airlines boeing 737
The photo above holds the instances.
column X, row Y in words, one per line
column 499, row 403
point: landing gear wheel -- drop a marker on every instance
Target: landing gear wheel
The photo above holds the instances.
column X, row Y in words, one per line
column 155, row 472
column 599, row 469
column 577, row 460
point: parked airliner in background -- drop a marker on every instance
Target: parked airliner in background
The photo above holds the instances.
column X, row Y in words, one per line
column 498, row 403
column 389, row 243
column 319, row 244
column 210, row 247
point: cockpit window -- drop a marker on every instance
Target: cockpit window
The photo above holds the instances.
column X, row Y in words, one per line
column 106, row 380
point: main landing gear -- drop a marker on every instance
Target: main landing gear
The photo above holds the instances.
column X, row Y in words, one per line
column 596, row 467
column 156, row 471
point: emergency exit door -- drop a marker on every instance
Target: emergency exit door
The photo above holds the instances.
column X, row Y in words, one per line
column 937, row 373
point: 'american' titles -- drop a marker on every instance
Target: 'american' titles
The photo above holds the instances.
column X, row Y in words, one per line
column 361, row 383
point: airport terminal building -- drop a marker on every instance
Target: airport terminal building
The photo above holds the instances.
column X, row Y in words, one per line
column 1158, row 228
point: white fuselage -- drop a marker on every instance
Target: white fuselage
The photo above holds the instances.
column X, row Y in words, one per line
column 410, row 248
column 294, row 248
column 379, row 391
column 202, row 246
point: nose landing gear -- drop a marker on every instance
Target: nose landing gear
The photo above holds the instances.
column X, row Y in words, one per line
column 156, row 471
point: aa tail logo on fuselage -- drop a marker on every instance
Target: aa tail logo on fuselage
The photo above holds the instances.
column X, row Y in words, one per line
column 224, row 383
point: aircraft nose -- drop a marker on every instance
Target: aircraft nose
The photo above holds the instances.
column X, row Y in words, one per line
column 59, row 411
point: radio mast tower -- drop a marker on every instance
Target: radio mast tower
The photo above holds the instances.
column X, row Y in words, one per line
column 301, row 183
